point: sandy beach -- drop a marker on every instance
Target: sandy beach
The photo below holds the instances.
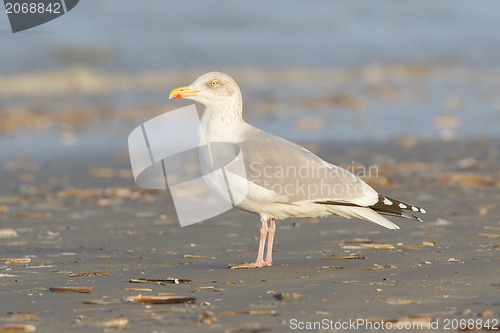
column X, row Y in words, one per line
column 82, row 223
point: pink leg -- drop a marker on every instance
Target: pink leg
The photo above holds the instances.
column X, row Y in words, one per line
column 260, row 255
column 262, row 242
column 270, row 239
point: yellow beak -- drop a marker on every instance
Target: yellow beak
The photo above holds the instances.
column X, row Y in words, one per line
column 182, row 92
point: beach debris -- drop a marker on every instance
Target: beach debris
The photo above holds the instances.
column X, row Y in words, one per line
column 352, row 247
column 332, row 266
column 356, row 256
column 87, row 310
column 219, row 290
column 378, row 246
column 206, row 287
column 8, row 233
column 484, row 209
column 359, row 241
column 89, row 274
column 453, row 259
column 211, row 288
column 84, row 290
column 345, row 281
column 114, row 322
column 30, row 215
column 110, row 325
column 6, row 275
column 156, row 299
column 492, row 228
column 15, row 260
column 404, row 246
column 239, row 266
column 322, row 313
column 194, row 256
column 251, row 312
column 160, row 281
column 18, row 328
column 378, row 267
column 21, row 316
column 487, row 313
column 396, row 301
column 362, row 243
column 489, row 235
column 138, row 289
column 100, row 302
column 287, row 296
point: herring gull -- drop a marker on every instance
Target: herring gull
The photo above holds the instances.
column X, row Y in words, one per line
column 283, row 179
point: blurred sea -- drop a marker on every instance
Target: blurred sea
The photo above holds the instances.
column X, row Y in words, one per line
column 160, row 35
column 315, row 71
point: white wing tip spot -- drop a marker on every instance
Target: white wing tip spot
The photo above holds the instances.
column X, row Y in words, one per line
column 415, row 209
column 387, row 202
column 422, row 211
column 402, row 206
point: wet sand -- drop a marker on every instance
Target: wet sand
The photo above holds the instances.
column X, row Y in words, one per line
column 84, row 214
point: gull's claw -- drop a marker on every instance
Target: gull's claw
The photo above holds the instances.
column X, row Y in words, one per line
column 248, row 265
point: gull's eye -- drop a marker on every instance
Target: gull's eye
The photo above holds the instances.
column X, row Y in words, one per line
column 214, row 83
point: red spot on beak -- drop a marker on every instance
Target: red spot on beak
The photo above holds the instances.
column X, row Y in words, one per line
column 177, row 96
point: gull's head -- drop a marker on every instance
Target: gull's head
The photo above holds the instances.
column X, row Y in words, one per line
column 210, row 89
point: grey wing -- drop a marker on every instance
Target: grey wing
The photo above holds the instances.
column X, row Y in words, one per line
column 294, row 174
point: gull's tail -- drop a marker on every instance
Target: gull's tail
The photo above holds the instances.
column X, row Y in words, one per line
column 384, row 206
column 393, row 207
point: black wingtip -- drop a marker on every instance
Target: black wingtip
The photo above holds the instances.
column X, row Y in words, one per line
column 390, row 206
